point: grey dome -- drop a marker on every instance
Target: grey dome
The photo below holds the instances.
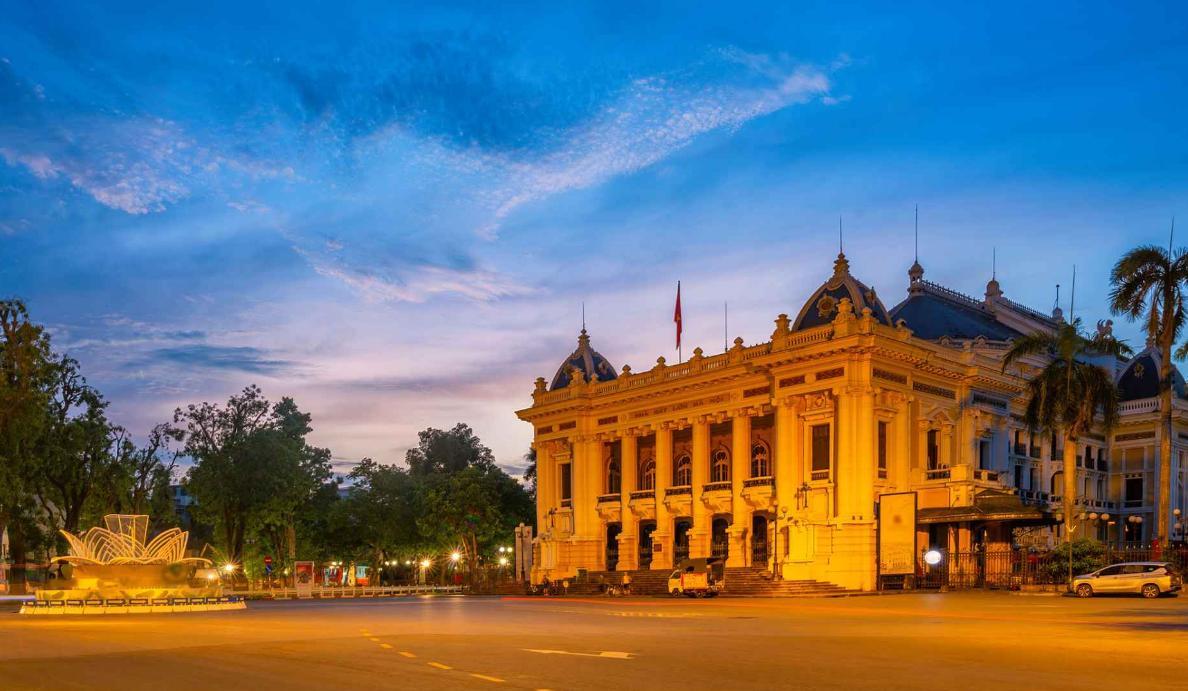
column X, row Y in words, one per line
column 587, row 360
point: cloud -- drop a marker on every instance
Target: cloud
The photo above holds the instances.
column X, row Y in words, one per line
column 417, row 284
column 133, row 162
column 229, row 358
column 652, row 119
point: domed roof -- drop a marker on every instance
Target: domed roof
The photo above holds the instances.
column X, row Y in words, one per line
column 821, row 308
column 589, row 361
column 1140, row 378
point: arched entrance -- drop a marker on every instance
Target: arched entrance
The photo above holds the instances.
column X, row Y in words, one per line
column 680, row 539
column 720, row 538
column 612, row 545
column 759, row 550
column 646, row 528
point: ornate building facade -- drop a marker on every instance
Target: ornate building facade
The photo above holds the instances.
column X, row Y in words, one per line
column 775, row 455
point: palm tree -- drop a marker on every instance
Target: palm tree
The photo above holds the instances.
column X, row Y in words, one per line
column 1069, row 393
column 1148, row 283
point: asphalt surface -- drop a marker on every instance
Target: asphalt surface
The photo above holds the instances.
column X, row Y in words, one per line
column 914, row 641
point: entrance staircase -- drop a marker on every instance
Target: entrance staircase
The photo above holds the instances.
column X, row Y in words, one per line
column 740, row 582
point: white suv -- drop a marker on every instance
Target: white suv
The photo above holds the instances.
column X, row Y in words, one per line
column 1148, row 578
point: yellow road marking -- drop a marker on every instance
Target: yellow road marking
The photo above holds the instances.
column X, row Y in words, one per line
column 373, row 639
column 406, row 653
column 439, row 665
column 484, row 677
column 386, row 645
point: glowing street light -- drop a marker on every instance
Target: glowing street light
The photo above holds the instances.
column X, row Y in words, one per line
column 228, row 568
column 932, row 557
column 425, row 563
column 454, row 557
column 503, row 561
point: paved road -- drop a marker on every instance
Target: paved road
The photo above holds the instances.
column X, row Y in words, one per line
column 917, row 641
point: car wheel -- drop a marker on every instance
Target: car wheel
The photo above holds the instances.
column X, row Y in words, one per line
column 675, row 592
column 1084, row 590
column 1150, row 590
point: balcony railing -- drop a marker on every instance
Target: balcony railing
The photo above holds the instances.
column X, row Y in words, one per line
column 716, row 486
column 820, row 475
column 677, row 491
column 882, row 473
column 644, row 494
column 985, row 475
column 759, row 482
column 1020, row 449
column 1035, row 452
column 609, row 498
column 566, row 503
column 937, row 474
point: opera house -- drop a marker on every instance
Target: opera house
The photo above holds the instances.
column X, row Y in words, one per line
column 853, row 420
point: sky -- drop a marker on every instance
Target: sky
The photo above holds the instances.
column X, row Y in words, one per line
column 394, row 212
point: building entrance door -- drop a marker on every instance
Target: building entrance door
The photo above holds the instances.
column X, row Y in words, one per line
column 719, row 539
column 646, row 528
column 680, row 540
column 612, row 545
column 759, row 540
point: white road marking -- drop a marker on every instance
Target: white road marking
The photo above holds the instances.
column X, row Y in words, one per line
column 439, row 665
column 484, row 677
column 611, row 654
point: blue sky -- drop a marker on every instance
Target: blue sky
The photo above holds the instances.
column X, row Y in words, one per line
column 393, row 212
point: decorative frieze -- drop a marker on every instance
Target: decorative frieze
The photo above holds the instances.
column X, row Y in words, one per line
column 889, row 376
column 983, row 399
column 1133, row 436
column 566, row 425
column 792, row 381
column 934, row 390
column 608, row 420
column 720, row 398
column 757, row 391
column 833, row 373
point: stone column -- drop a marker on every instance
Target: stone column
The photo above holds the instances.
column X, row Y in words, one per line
column 740, row 456
column 699, row 536
column 544, row 498
column 789, row 475
column 662, row 558
column 629, row 460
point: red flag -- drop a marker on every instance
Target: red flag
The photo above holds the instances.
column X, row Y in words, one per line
column 676, row 317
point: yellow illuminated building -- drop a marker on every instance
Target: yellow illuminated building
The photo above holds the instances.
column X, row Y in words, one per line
column 774, row 455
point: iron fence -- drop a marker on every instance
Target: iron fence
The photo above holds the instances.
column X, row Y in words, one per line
column 1013, row 569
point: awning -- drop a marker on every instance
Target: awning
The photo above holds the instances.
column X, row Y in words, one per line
column 989, row 505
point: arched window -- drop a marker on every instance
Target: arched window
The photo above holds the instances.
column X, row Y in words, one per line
column 760, row 460
column 614, row 475
column 720, row 466
column 682, row 471
column 647, row 474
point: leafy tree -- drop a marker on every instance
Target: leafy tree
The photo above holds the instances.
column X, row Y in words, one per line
column 1087, row 555
column 1148, row 283
column 25, row 373
column 530, row 472
column 139, row 477
column 447, row 451
column 73, row 453
column 253, row 468
column 1067, row 394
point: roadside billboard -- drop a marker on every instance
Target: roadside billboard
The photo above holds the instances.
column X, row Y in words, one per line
column 897, row 534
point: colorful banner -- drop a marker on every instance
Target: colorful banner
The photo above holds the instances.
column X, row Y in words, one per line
column 897, row 534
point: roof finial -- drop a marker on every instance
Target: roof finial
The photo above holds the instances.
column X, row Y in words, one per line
column 840, row 243
column 1072, row 299
column 916, row 272
column 1057, row 313
column 583, row 316
column 993, row 290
